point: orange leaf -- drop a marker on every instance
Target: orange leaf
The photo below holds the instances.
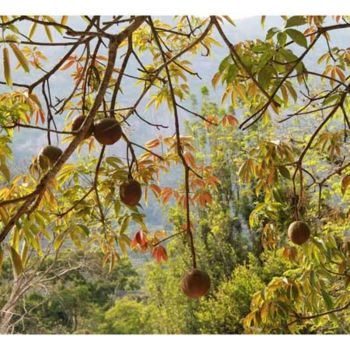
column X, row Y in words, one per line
column 166, row 194
column 340, row 73
column 345, row 182
column 190, row 159
column 210, row 120
column 229, row 120
column 152, row 143
column 42, row 116
column 70, row 61
column 155, row 189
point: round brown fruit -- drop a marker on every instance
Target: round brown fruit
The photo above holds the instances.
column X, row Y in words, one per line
column 78, row 122
column 298, row 232
column 130, row 193
column 107, row 131
column 48, row 156
column 195, row 284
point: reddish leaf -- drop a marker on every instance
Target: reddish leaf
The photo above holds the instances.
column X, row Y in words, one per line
column 159, row 253
column 204, row 198
column 139, row 241
column 213, row 180
column 199, row 183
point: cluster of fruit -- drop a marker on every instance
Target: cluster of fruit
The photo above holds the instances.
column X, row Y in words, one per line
column 107, row 132
column 196, row 283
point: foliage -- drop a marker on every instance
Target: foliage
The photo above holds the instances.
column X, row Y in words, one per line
column 276, row 154
column 223, row 313
column 74, row 302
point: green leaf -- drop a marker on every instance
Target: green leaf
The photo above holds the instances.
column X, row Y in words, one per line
column 288, row 55
column 124, row 225
column 117, row 207
column 265, row 76
column 5, row 171
column 271, row 32
column 224, row 63
column 312, row 279
column 281, row 38
column 297, row 37
column 295, row 21
column 231, row 73
column 85, row 229
column 331, row 99
column 265, row 57
column 327, row 299
column 284, row 172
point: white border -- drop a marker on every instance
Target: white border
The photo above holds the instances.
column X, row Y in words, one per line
column 235, row 8
column 168, row 342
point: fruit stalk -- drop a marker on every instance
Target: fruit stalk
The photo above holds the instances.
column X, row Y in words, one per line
column 188, row 218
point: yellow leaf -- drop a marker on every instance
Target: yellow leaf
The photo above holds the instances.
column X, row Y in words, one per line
column 21, row 58
column 229, row 19
column 25, row 252
column 7, row 68
column 48, row 33
column 16, row 262
column 124, row 243
column 35, row 98
column 59, row 240
column 32, row 30
column 216, row 79
column 64, row 20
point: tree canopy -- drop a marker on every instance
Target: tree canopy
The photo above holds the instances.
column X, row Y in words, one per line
column 272, row 149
